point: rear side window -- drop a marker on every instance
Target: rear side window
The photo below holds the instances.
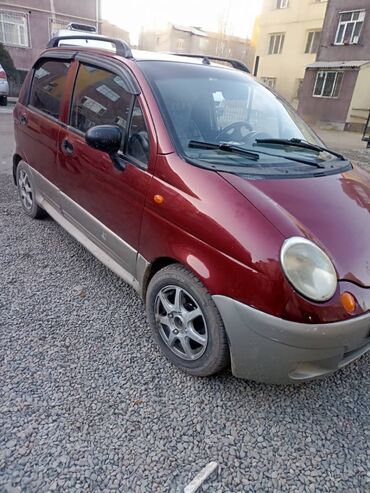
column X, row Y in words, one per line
column 99, row 98
column 48, row 85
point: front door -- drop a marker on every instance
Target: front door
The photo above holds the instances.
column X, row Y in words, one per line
column 106, row 203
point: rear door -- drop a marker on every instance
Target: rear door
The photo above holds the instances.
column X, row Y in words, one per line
column 107, row 204
column 37, row 123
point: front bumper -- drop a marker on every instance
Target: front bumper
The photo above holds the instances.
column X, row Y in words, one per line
column 268, row 349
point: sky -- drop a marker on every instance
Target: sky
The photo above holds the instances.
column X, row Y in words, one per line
column 239, row 15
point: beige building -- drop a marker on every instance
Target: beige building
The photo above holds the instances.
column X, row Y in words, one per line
column 113, row 31
column 185, row 39
column 288, row 39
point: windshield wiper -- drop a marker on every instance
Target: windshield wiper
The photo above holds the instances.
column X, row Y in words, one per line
column 223, row 146
column 300, row 143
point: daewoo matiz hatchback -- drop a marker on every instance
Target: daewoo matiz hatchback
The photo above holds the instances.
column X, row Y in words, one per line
column 246, row 237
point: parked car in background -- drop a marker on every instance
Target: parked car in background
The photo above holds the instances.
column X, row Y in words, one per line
column 201, row 188
column 4, row 87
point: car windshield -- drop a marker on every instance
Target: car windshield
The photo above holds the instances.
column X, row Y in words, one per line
column 214, row 105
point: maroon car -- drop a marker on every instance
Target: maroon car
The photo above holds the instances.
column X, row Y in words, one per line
column 246, row 237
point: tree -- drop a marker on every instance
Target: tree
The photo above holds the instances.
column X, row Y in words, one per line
column 7, row 62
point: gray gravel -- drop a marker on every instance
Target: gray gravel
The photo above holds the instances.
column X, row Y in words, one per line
column 359, row 156
column 87, row 403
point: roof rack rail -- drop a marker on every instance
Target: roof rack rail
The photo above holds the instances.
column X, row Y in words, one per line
column 122, row 48
column 206, row 60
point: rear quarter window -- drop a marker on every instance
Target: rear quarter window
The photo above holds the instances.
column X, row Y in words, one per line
column 48, row 84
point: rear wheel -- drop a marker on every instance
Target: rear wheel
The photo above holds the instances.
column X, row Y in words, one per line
column 26, row 190
column 186, row 323
column 3, row 100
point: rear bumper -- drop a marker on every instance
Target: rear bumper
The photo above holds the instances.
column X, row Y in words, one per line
column 268, row 349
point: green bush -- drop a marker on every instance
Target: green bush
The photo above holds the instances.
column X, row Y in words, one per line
column 15, row 77
column 7, row 63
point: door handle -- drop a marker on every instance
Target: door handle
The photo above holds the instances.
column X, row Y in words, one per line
column 23, row 120
column 67, row 147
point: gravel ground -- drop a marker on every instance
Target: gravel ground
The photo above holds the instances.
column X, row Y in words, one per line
column 87, row 403
column 359, row 156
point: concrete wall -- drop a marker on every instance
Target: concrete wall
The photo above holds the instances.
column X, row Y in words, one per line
column 360, row 103
column 39, row 14
column 296, row 21
column 328, row 50
column 114, row 31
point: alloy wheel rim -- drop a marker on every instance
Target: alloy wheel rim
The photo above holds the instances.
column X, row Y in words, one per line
column 25, row 190
column 181, row 323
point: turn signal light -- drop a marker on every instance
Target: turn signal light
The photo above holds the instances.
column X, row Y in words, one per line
column 348, row 302
column 158, row 199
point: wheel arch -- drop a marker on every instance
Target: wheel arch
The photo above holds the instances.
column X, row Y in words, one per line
column 154, row 267
column 16, row 160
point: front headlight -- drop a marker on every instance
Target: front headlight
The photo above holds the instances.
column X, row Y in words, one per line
column 308, row 269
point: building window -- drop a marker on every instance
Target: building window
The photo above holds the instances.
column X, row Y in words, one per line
column 269, row 81
column 327, row 84
column 282, row 4
column 313, row 41
column 180, row 44
column 203, row 44
column 349, row 27
column 14, row 28
column 276, row 43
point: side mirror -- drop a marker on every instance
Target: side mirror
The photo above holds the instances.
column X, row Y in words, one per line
column 106, row 138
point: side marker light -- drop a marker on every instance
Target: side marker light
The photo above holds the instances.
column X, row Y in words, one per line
column 348, row 302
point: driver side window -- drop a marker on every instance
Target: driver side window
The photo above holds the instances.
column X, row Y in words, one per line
column 99, row 97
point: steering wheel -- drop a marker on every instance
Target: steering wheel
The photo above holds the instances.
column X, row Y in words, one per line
column 253, row 136
column 233, row 132
column 138, row 146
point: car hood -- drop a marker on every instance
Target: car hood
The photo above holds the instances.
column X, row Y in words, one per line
column 333, row 211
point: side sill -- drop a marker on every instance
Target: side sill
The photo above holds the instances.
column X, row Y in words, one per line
column 89, row 244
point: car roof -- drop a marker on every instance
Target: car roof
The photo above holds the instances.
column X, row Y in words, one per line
column 123, row 51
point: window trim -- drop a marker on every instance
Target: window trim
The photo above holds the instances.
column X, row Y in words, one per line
column 25, row 14
column 335, row 81
column 340, row 23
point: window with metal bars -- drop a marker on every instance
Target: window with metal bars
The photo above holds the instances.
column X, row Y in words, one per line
column 14, row 28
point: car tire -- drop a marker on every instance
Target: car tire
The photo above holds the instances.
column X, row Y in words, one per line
column 185, row 322
column 26, row 190
column 3, row 100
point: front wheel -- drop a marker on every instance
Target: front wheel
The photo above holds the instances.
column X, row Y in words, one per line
column 3, row 100
column 186, row 323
